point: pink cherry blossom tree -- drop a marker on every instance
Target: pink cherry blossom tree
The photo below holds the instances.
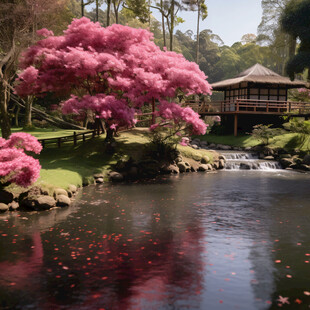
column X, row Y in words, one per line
column 113, row 72
column 15, row 165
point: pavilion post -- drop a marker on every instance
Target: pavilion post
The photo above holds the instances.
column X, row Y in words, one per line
column 235, row 125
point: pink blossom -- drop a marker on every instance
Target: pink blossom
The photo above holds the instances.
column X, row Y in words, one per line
column 45, row 32
column 117, row 70
column 153, row 127
column 16, row 166
column 22, row 140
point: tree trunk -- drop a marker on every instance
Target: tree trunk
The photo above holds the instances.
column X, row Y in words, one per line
column 292, row 46
column 163, row 23
column 197, row 45
column 17, row 116
column 110, row 133
column 82, row 8
column 116, row 11
column 108, row 12
column 171, row 25
column 4, row 117
column 97, row 10
column 28, row 108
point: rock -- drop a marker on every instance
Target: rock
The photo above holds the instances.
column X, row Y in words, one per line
column 306, row 160
column 179, row 159
column 305, row 167
column 286, row 162
column 269, row 157
column 269, row 151
column 248, row 148
column 221, row 164
column 255, row 166
column 261, row 155
column 223, row 147
column 294, row 166
column 285, row 156
column 196, row 141
column 170, row 169
column 298, row 161
column 6, row 197
column 203, row 167
column 212, row 146
column 244, row 166
column 216, row 165
column 210, row 167
column 3, row 207
column 116, row 176
column 98, row 176
column 222, row 157
column 59, row 191
column 194, row 165
column 63, row 201
column 203, row 143
column 182, row 167
column 72, row 188
column 195, row 146
column 205, row 159
column 38, row 203
column 44, row 192
column 99, row 180
column 13, row 205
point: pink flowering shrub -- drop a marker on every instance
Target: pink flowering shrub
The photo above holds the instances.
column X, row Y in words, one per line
column 15, row 165
column 112, row 72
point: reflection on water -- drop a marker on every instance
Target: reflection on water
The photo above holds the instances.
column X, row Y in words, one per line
column 224, row 241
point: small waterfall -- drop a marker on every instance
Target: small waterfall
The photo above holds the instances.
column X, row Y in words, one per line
column 248, row 161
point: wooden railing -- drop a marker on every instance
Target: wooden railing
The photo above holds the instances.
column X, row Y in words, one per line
column 251, row 106
column 83, row 136
column 145, row 121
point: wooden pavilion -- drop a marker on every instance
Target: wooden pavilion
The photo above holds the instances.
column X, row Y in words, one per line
column 257, row 95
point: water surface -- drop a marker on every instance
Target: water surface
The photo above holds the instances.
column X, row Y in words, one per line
column 231, row 240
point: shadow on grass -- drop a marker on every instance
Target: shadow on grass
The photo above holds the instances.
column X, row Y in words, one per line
column 89, row 157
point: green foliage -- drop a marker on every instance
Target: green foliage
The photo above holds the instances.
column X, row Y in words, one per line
column 295, row 21
column 264, row 133
column 302, row 128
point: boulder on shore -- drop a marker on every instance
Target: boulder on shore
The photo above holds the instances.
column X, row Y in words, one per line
column 3, row 207
column 116, row 176
column 38, row 203
column 6, row 197
column 63, row 201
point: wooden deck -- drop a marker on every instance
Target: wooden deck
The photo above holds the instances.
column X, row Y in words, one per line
column 250, row 106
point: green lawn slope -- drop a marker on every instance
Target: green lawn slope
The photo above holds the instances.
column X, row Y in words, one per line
column 77, row 164
column 288, row 141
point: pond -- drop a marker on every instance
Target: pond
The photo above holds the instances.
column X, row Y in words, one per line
column 230, row 240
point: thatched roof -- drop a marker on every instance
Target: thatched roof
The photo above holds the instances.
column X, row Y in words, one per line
column 260, row 75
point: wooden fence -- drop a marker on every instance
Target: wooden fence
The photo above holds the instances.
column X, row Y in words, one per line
column 83, row 136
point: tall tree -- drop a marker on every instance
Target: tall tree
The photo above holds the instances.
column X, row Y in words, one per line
column 19, row 20
column 202, row 13
column 270, row 32
column 113, row 72
column 295, row 21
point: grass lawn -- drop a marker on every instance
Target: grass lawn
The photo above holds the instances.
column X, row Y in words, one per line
column 75, row 164
column 287, row 141
column 45, row 133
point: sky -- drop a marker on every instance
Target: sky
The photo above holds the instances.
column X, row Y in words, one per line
column 230, row 19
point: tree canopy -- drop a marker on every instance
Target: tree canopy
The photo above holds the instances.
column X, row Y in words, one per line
column 295, row 21
column 113, row 72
